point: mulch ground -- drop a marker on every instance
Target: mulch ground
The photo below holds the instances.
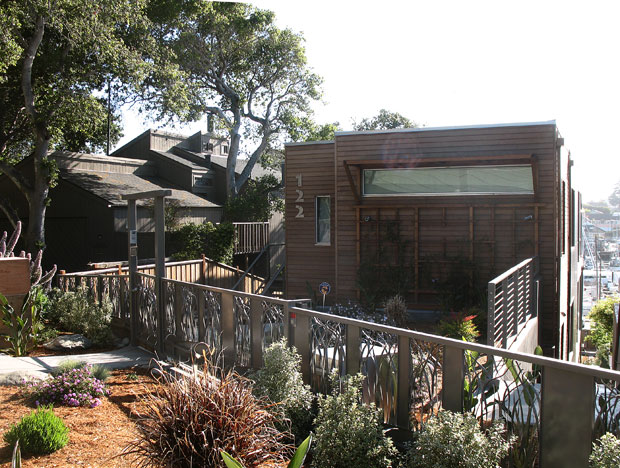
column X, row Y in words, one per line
column 97, row 436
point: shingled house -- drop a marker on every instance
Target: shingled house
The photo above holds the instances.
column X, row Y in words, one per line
column 85, row 221
column 424, row 202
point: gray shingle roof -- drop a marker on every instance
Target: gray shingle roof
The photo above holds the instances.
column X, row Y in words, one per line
column 110, row 186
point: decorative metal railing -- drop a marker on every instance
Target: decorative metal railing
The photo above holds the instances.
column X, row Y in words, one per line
column 555, row 408
column 512, row 301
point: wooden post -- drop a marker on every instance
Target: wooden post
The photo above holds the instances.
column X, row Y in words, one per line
column 228, row 329
column 404, row 373
column 256, row 332
column 204, row 270
column 353, row 349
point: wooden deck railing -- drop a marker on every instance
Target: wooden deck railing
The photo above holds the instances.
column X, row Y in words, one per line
column 203, row 271
column 556, row 408
column 512, row 301
column 250, row 237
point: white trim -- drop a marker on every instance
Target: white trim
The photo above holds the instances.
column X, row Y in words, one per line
column 431, row 129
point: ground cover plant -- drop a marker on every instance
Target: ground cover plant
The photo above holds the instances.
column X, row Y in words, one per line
column 454, row 440
column 40, row 432
column 74, row 387
column 187, row 421
column 606, row 452
column 280, row 381
column 348, row 432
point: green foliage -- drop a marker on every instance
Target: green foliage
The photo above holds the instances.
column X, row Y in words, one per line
column 216, row 241
column 295, row 462
column 19, row 333
column 41, row 432
column 348, row 432
column 459, row 326
column 187, row 421
column 454, row 440
column 239, row 66
column 605, row 453
column 78, row 313
column 304, row 128
column 258, row 201
column 601, row 331
column 378, row 283
column 280, row 381
column 384, row 120
column 57, row 56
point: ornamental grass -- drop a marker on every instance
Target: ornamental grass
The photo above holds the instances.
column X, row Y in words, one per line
column 186, row 421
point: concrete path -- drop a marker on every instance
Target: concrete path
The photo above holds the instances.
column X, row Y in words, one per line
column 121, row 358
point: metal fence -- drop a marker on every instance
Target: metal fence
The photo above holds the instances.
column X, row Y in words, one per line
column 555, row 408
column 512, row 300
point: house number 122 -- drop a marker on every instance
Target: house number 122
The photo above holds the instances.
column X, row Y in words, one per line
column 300, row 198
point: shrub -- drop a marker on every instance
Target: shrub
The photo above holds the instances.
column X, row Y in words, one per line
column 78, row 313
column 216, row 241
column 41, row 432
column 280, row 380
column 459, row 326
column 74, row 387
column 258, row 201
column 601, row 335
column 186, row 421
column 396, row 311
column 348, row 432
column 606, row 453
column 455, row 440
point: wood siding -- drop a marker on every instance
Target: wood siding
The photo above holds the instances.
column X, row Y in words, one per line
column 306, row 262
column 492, row 232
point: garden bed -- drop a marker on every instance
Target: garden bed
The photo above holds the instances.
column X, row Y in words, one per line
column 97, row 435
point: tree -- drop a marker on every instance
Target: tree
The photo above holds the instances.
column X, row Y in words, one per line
column 256, row 202
column 385, row 120
column 614, row 198
column 238, row 66
column 53, row 56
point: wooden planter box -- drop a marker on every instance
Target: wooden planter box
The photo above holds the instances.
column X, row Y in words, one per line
column 14, row 284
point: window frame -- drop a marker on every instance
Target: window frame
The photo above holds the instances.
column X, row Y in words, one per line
column 317, row 219
column 449, row 194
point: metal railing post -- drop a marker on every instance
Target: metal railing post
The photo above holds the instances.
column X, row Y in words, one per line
column 453, row 376
column 567, row 412
column 302, row 343
column 228, row 329
column 404, row 373
column 256, row 332
column 352, row 349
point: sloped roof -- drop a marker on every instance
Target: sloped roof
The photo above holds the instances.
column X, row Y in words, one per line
column 110, row 186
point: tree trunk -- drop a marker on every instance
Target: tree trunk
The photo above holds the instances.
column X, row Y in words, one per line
column 35, row 233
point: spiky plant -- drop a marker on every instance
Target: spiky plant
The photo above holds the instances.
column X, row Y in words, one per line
column 187, row 421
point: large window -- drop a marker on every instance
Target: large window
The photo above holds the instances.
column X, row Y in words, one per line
column 466, row 180
column 323, row 211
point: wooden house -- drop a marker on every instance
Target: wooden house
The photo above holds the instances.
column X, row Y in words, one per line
column 431, row 212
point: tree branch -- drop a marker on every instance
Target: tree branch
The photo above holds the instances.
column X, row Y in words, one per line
column 10, row 212
column 17, row 178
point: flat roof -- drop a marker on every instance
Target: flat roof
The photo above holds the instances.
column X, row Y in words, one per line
column 430, row 129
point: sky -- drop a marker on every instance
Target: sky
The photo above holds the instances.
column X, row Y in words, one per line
column 449, row 63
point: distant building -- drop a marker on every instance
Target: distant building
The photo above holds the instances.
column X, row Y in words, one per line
column 85, row 221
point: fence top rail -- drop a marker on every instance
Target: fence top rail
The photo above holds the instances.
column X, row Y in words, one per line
column 259, row 223
column 513, row 270
column 146, row 275
column 465, row 345
column 91, row 275
column 236, row 293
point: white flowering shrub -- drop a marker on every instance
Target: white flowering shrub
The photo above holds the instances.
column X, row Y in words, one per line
column 606, row 453
column 280, row 380
column 348, row 432
column 454, row 440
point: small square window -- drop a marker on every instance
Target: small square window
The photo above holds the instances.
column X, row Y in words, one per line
column 224, row 149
